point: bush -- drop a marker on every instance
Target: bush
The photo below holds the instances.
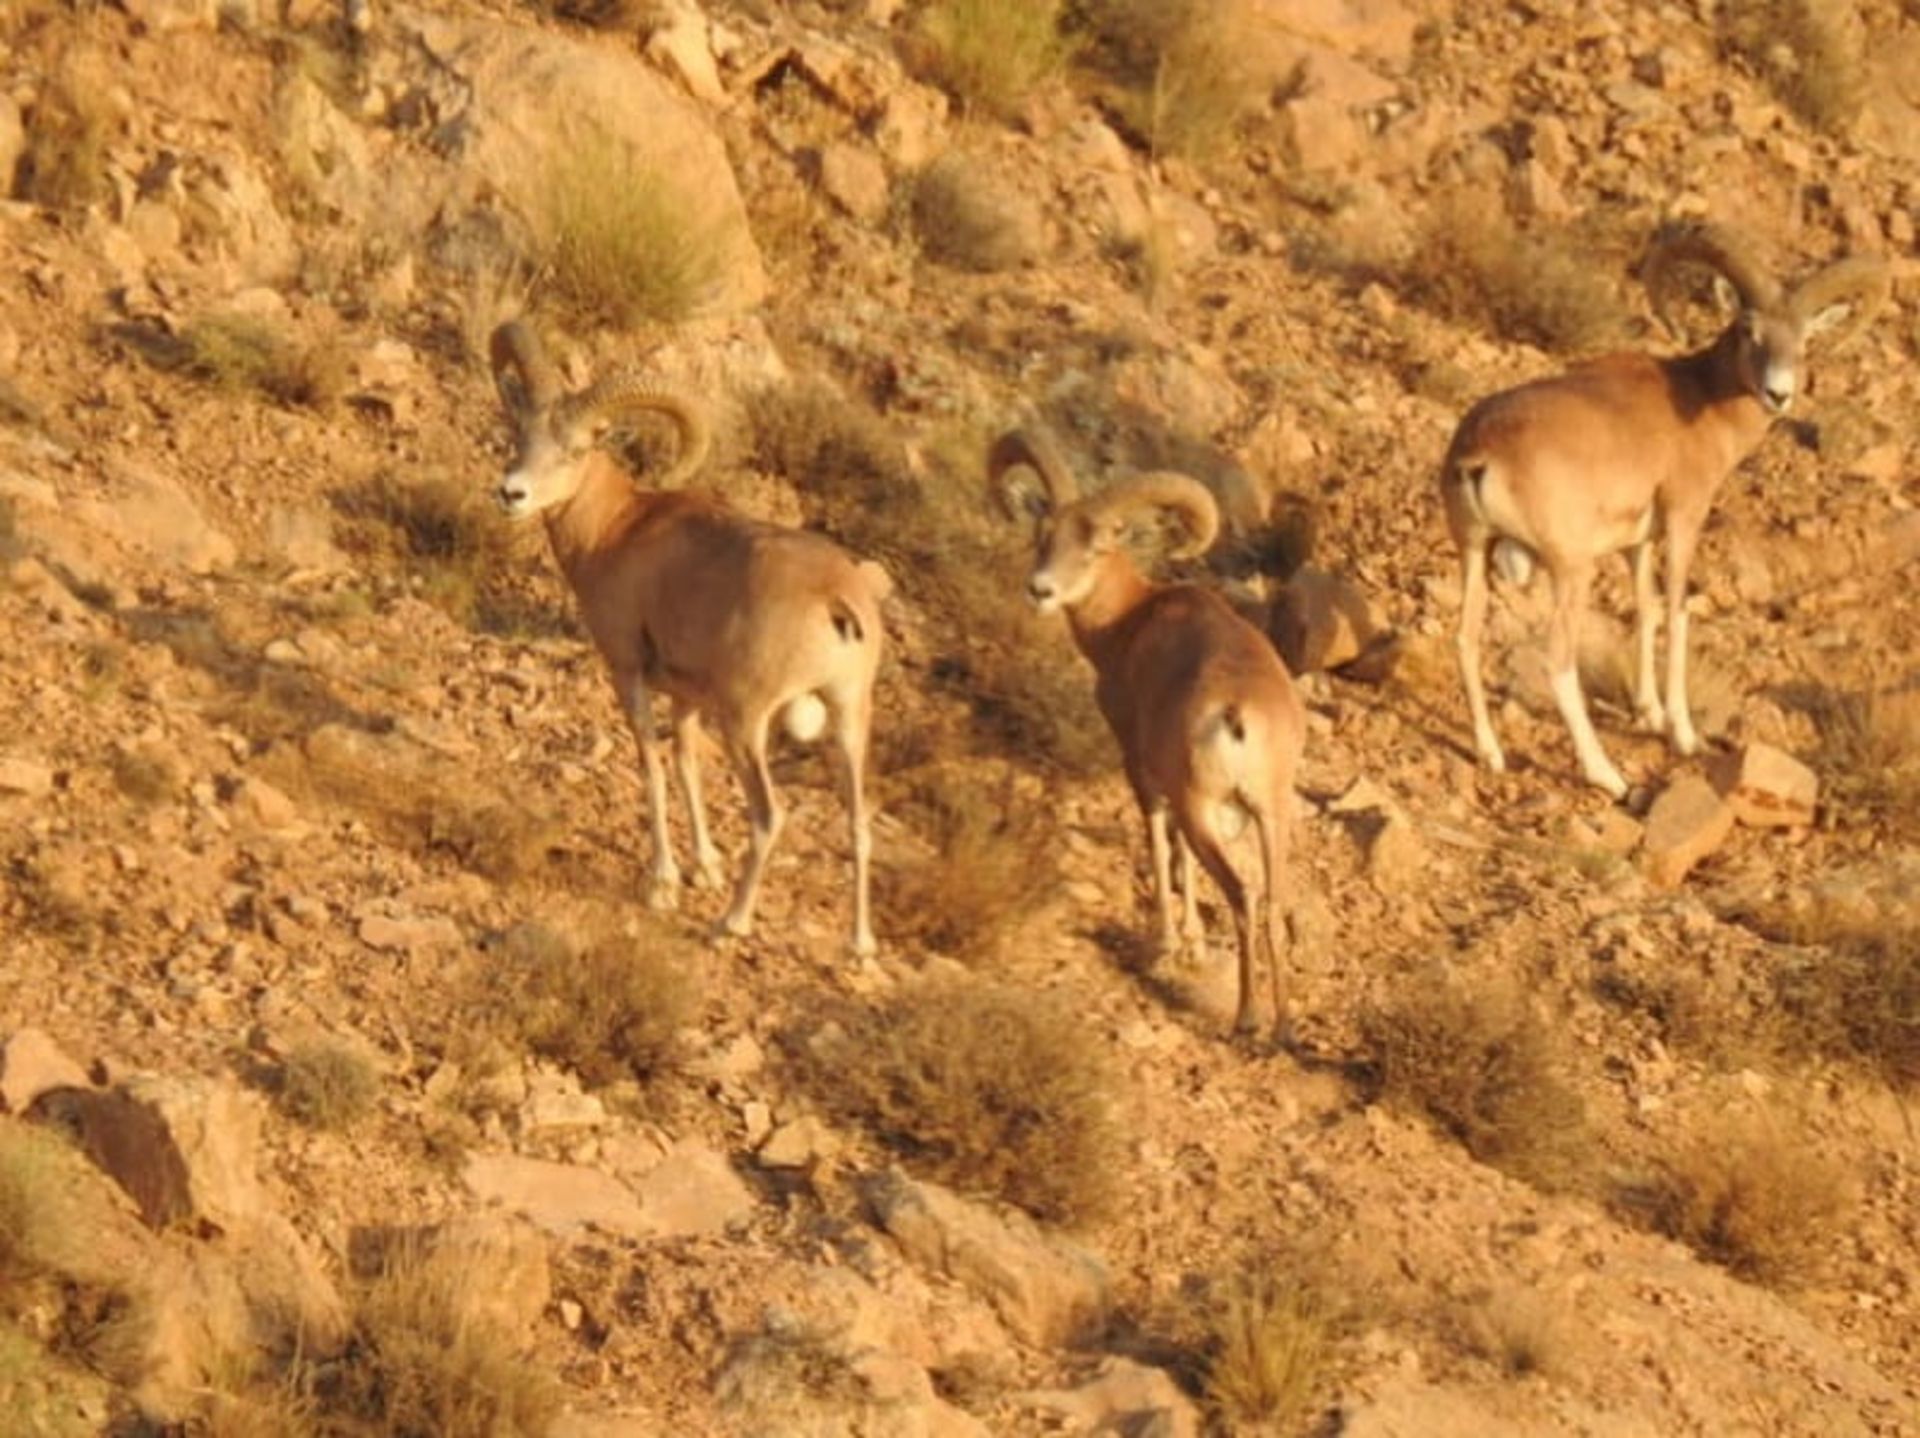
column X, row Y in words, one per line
column 622, row 245
column 1472, row 265
column 328, row 1085
column 994, row 860
column 965, row 215
column 992, row 53
column 1870, row 756
column 1859, row 999
column 1186, row 72
column 1812, row 53
column 1751, row 1200
column 242, row 352
column 984, row 1088
column 1479, row 1064
column 612, row 1011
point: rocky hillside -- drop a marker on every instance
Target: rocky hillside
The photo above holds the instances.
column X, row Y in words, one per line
column 349, row 1086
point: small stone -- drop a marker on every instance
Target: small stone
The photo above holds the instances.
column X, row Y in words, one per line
column 1320, row 620
column 855, row 180
column 31, row 1064
column 798, row 1144
column 25, row 776
column 1766, row 787
column 1688, row 822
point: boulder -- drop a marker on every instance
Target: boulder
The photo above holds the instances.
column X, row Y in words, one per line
column 692, row 1192
column 1045, row 1289
column 24, row 776
column 681, row 44
column 1689, row 821
column 855, row 180
column 1766, row 787
column 539, row 95
column 1321, row 620
column 152, row 514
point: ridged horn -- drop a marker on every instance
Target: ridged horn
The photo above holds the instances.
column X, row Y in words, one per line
column 1714, row 246
column 1029, row 449
column 628, row 392
column 521, row 373
column 1865, row 279
column 1167, row 489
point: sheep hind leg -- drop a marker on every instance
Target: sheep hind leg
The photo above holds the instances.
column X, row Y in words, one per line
column 765, row 818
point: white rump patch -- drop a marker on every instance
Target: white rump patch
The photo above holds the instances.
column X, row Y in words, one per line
column 1513, row 562
column 1230, row 819
column 805, row 717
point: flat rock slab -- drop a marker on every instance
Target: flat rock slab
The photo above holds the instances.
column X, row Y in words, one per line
column 31, row 1064
column 692, row 1192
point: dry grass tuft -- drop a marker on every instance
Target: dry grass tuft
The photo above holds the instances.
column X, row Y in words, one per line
column 247, row 352
column 988, row 1089
column 994, row 860
column 425, row 1360
column 1519, row 1331
column 1751, row 1199
column 328, row 1085
column 966, row 216
column 32, row 1201
column 612, row 1010
column 1858, row 998
column 146, row 774
column 992, row 54
column 795, row 1381
column 1186, row 73
column 622, row 246
column 1474, row 266
column 1812, row 52
column 1484, row 1067
column 1870, row 756
column 64, row 164
column 1270, row 1347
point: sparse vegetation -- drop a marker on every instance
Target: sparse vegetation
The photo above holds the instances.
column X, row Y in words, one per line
column 785, row 1381
column 989, row 1089
column 328, row 1084
column 609, row 1010
column 1749, row 1197
column 994, row 860
column 1269, row 1353
column 1474, row 266
column 1812, row 52
column 237, row 352
column 465, row 558
column 146, row 774
column 993, row 54
column 622, row 244
column 1481, row 1064
column 424, row 1359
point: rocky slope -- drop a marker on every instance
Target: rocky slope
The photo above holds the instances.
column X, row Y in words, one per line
column 300, row 753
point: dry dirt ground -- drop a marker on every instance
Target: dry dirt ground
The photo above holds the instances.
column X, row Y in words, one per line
column 295, row 742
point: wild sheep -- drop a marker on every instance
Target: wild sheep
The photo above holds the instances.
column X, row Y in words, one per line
column 733, row 620
column 1209, row 726
column 1619, row 452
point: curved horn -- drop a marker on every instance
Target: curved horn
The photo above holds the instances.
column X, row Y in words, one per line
column 629, row 392
column 1033, row 450
column 1167, row 489
column 1864, row 279
column 521, row 373
column 1714, row 246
